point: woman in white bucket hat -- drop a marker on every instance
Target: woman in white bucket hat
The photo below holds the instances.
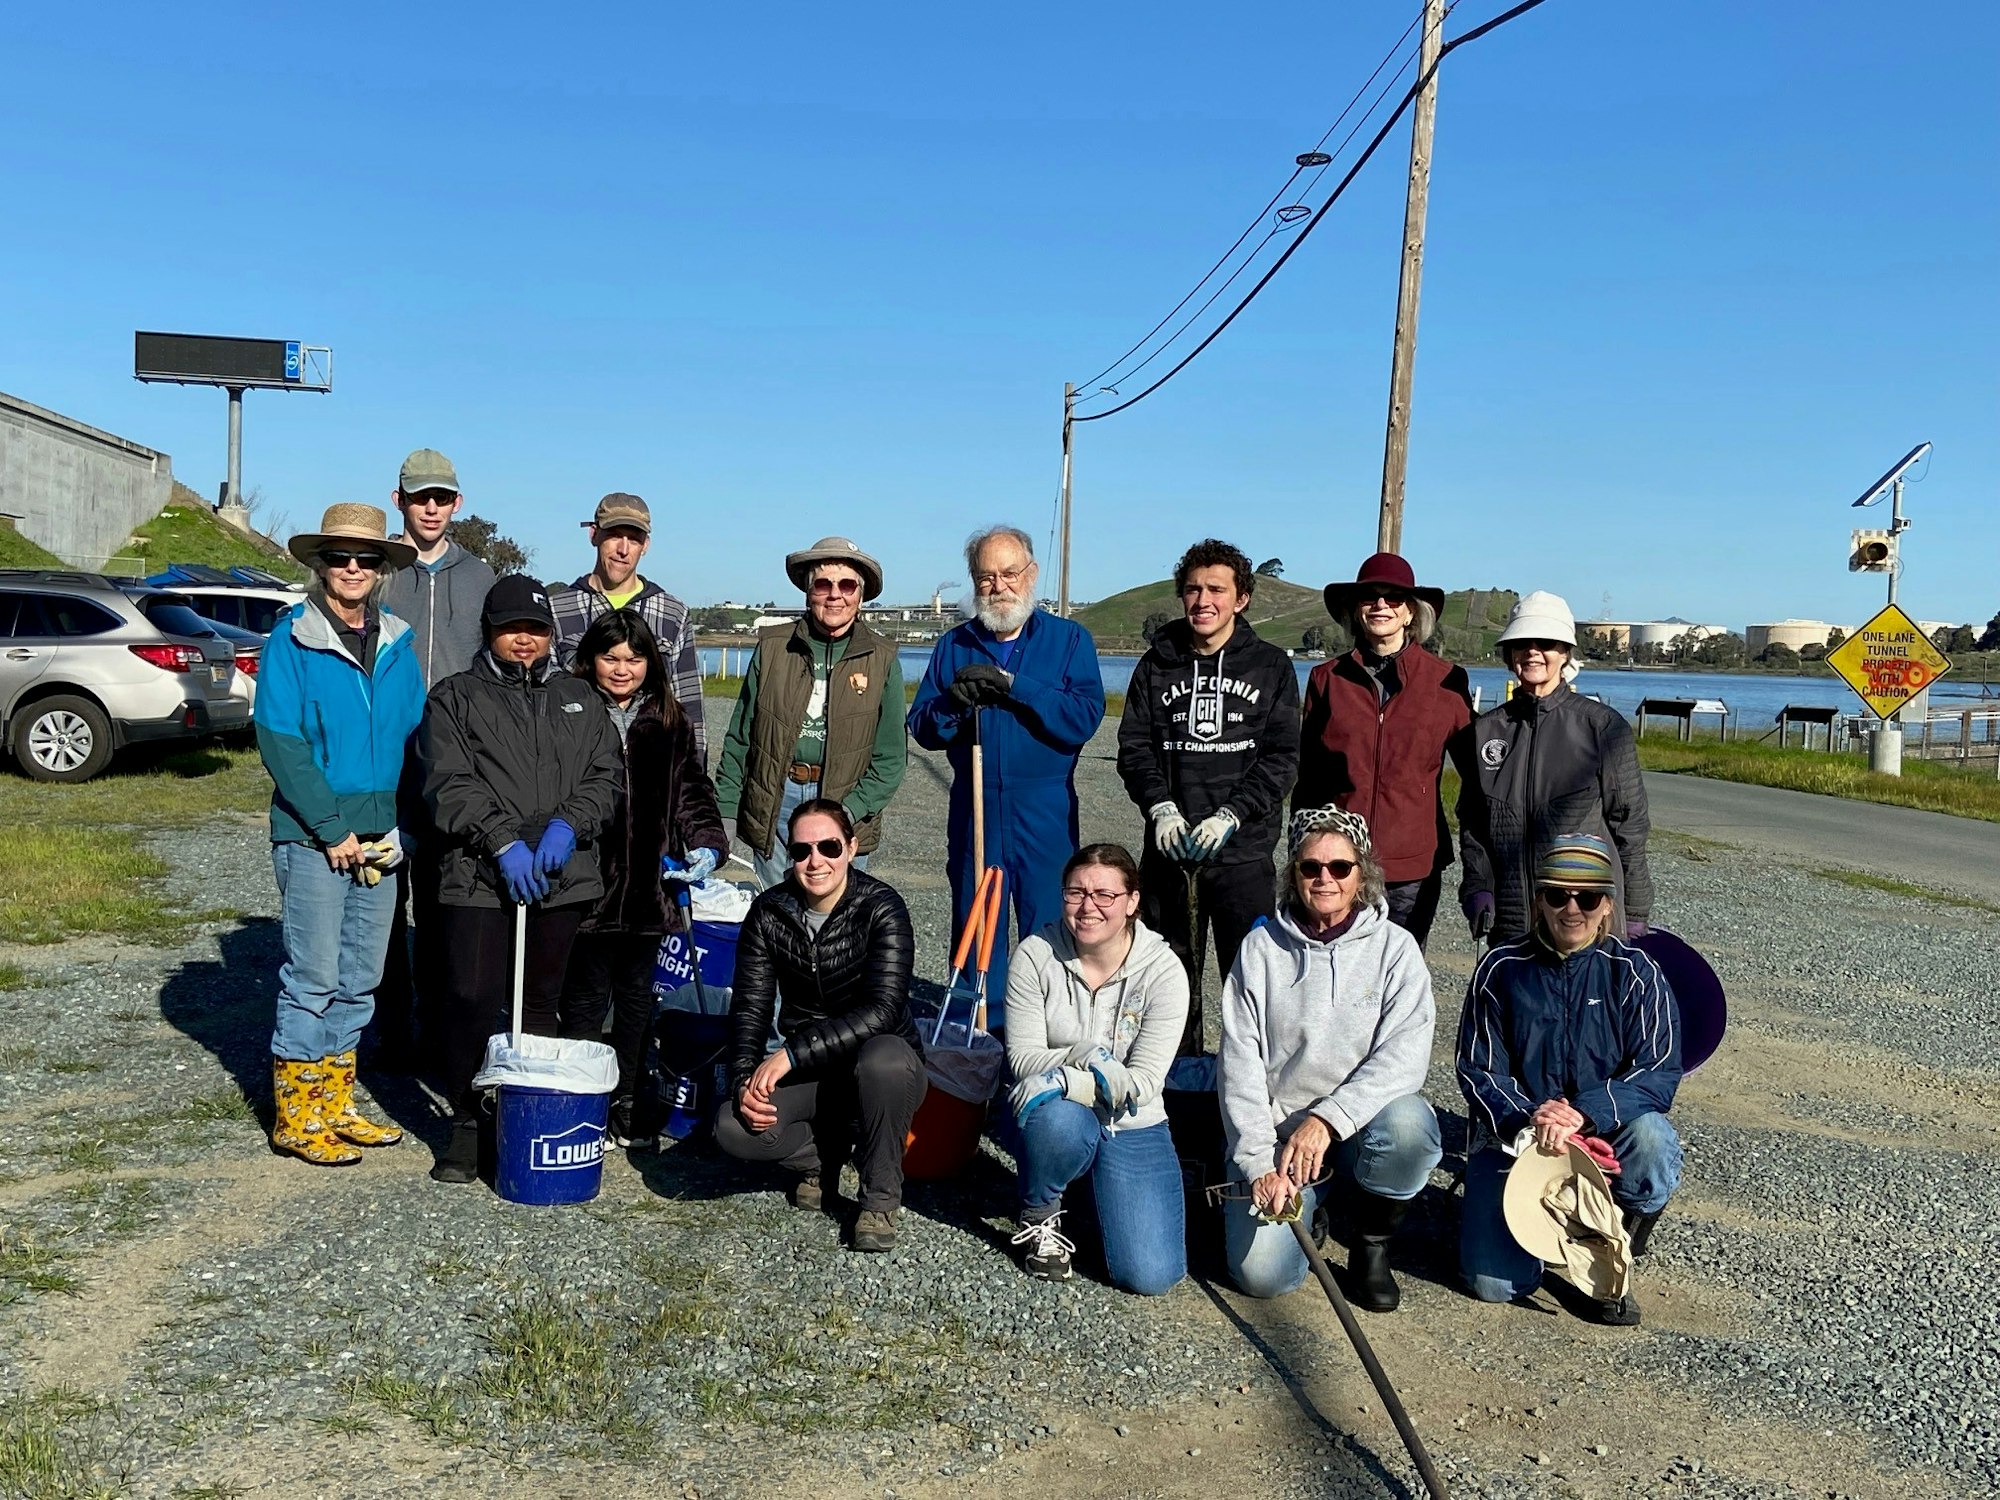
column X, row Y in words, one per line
column 1548, row 762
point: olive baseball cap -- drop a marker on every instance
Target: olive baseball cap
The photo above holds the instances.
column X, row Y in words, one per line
column 427, row 469
column 621, row 509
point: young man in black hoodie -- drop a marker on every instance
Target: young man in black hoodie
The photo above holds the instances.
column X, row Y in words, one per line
column 1208, row 749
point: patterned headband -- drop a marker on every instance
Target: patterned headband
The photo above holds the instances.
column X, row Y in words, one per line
column 1329, row 819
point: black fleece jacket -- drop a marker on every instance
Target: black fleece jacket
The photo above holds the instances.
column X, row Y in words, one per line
column 1207, row 732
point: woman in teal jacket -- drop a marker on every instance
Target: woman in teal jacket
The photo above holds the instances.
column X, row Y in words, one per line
column 339, row 693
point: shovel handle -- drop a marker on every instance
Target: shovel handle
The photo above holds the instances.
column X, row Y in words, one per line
column 975, row 918
column 997, row 878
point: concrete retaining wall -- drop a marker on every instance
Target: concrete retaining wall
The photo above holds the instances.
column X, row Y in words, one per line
column 78, row 492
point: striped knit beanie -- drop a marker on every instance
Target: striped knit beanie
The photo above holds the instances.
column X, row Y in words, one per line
column 1578, row 862
column 1329, row 819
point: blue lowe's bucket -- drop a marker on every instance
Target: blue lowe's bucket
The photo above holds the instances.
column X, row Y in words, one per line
column 714, row 949
column 554, row 1104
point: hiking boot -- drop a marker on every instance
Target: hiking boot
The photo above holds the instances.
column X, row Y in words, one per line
column 1615, row 1312
column 1048, row 1251
column 875, row 1232
column 459, row 1161
column 807, row 1193
column 625, row 1130
column 1639, row 1229
column 1370, row 1283
column 344, row 1120
column 303, row 1092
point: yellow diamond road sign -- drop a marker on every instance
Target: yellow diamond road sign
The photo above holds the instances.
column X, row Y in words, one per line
column 1888, row 661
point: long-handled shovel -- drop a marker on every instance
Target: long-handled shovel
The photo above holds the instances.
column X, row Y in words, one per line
column 520, row 965
column 975, row 919
column 1194, row 1035
column 995, row 915
column 978, row 797
column 1390, row 1400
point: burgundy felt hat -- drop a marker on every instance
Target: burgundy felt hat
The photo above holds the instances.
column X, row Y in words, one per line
column 1383, row 570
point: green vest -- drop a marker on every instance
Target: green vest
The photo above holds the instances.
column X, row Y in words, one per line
column 853, row 713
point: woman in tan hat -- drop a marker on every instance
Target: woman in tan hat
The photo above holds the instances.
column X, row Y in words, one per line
column 820, row 714
column 339, row 694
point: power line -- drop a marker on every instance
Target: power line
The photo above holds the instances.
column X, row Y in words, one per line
column 1313, row 223
column 1285, row 187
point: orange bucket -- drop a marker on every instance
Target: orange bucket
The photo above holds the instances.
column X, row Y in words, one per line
column 944, row 1136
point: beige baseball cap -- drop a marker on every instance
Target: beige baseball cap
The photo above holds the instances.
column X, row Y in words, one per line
column 427, row 469
column 621, row 509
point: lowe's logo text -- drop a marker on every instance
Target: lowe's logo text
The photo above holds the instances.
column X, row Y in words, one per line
column 568, row 1151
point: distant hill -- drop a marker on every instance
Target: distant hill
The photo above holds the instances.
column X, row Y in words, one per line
column 188, row 532
column 1283, row 612
column 16, row 551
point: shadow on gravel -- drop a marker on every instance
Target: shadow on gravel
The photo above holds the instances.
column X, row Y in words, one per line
column 227, row 1007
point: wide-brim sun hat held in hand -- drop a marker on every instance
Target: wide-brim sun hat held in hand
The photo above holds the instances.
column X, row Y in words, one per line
column 353, row 527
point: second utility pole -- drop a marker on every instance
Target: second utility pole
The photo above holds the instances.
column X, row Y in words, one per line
column 1069, row 429
column 1402, row 368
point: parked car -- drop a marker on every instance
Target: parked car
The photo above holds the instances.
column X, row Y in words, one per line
column 87, row 669
column 246, row 606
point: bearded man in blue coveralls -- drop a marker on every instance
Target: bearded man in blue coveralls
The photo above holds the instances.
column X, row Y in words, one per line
column 1033, row 680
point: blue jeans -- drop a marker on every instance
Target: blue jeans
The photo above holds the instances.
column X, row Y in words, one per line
column 1391, row 1156
column 774, row 866
column 1136, row 1177
column 1496, row 1268
column 336, row 934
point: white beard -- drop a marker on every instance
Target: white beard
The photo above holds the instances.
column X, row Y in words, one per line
column 1003, row 618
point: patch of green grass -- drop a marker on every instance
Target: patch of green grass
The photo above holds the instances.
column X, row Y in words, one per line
column 208, row 1491
column 17, row 1055
column 132, row 1015
column 222, row 1104
column 1933, row 786
column 555, row 1363
column 187, row 531
column 203, row 1296
column 13, row 977
column 48, row 1450
column 87, row 880
column 16, row 551
column 1889, row 885
column 450, row 1265
column 86, row 1156
column 719, row 1400
column 434, row 1408
column 34, row 1267
column 73, row 1065
column 117, row 1208
column 343, row 1423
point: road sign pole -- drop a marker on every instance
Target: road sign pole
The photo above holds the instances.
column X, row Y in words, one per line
column 1885, row 748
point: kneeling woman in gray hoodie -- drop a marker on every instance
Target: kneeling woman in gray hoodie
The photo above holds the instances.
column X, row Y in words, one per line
column 1326, row 1038
column 1095, row 1006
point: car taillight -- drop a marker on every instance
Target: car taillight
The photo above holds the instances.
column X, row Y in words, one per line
column 246, row 663
column 169, row 658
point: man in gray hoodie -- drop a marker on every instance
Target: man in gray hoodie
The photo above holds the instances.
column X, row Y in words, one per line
column 439, row 596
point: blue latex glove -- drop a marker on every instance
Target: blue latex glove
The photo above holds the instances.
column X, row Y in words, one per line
column 557, row 845
column 1206, row 838
column 697, row 867
column 517, row 873
column 1031, row 1093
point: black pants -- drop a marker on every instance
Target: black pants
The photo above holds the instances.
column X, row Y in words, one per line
column 820, row 1118
column 612, row 971
column 479, row 982
column 1413, row 905
column 1229, row 900
column 409, row 1004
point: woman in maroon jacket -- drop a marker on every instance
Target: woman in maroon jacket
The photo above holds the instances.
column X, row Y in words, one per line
column 1376, row 725
column 666, row 828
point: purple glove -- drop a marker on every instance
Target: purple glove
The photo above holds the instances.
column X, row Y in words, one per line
column 1635, row 928
column 1479, row 913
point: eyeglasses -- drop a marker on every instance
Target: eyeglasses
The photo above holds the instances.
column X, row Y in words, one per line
column 1586, row 901
column 1390, row 597
column 369, row 561
column 1076, row 895
column 828, row 849
column 826, row 588
column 1008, row 576
column 1339, row 869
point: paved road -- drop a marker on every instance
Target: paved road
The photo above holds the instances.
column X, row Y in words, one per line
column 1960, row 854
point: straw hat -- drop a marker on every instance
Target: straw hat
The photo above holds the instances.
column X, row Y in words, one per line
column 1559, row 1209
column 356, row 525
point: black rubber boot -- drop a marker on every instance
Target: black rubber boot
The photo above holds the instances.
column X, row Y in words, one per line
column 1370, row 1283
column 1639, row 1229
column 459, row 1161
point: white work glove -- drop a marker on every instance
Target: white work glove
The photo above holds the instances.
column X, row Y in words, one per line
column 1210, row 834
column 1115, row 1084
column 1169, row 829
column 378, row 857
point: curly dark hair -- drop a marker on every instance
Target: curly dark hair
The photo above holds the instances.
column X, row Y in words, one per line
column 1210, row 552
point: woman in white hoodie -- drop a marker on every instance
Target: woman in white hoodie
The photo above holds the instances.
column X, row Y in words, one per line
column 1326, row 1038
column 1095, row 1006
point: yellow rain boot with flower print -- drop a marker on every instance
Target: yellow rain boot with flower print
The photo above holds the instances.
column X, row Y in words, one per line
column 344, row 1120
column 302, row 1090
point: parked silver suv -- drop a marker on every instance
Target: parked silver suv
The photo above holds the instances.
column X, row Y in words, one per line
column 86, row 669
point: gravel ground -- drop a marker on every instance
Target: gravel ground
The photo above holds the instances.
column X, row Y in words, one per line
column 205, row 1298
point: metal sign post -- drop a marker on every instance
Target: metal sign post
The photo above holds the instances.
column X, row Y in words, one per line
column 1885, row 750
column 1888, row 661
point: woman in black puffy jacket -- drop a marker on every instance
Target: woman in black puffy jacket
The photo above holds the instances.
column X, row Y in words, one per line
column 849, row 1074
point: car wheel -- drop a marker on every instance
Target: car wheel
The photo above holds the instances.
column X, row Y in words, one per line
column 62, row 739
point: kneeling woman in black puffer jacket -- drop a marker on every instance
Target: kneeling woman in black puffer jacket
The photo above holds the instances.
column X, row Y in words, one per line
column 849, row 1075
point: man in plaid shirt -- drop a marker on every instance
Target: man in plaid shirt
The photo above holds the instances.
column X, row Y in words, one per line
column 621, row 531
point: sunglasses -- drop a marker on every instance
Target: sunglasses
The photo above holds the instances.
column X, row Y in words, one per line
column 1387, row 596
column 1339, row 869
column 371, row 561
column 828, row 849
column 826, row 588
column 1586, row 901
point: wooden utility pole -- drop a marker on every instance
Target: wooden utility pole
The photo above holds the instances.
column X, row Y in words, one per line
column 1069, row 427
column 1402, row 368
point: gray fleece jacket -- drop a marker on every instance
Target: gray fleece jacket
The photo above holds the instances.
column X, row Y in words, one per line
column 441, row 606
column 1054, row 1019
column 1337, row 1030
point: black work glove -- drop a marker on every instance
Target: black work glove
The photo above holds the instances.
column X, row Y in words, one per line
column 980, row 684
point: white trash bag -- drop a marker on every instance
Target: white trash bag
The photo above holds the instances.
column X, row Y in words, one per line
column 547, row 1062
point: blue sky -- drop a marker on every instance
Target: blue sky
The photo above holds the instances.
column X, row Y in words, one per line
column 1695, row 275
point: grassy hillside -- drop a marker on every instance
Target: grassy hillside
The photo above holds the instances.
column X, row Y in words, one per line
column 16, row 551
column 1282, row 613
column 188, row 532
